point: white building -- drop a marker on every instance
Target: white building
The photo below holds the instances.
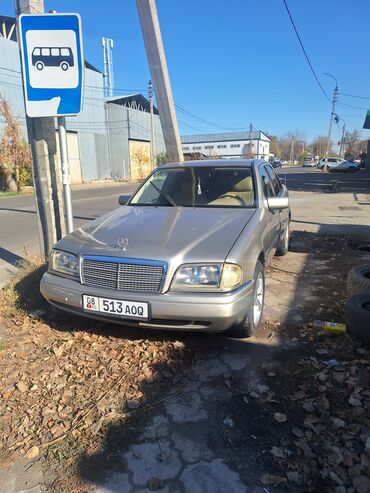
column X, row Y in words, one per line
column 233, row 145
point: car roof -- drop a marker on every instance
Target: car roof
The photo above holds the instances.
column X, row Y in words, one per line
column 247, row 163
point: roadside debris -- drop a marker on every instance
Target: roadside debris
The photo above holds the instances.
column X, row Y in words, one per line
column 331, row 327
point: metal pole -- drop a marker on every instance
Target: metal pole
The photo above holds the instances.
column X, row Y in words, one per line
column 292, row 153
column 161, row 80
column 66, row 180
column 335, row 98
column 251, row 142
column 152, row 137
column 342, row 140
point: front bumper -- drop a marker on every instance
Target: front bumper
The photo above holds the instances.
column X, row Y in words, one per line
column 206, row 312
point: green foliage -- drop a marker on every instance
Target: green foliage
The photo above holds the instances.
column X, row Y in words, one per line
column 25, row 176
column 161, row 158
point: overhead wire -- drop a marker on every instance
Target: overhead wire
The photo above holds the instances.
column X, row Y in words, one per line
column 352, row 96
column 304, row 51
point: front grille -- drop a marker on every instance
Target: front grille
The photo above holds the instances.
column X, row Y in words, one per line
column 123, row 274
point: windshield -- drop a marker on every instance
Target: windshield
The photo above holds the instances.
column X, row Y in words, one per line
column 197, row 186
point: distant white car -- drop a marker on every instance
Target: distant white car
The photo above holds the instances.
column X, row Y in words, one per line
column 338, row 164
column 346, row 166
column 309, row 162
column 331, row 162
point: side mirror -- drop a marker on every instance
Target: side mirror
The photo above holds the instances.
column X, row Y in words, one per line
column 278, row 203
column 123, row 199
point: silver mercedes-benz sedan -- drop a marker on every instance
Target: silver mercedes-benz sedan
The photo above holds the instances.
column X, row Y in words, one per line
column 186, row 252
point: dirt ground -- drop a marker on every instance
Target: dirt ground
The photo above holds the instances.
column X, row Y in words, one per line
column 88, row 406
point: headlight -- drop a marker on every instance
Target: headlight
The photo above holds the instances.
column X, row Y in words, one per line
column 63, row 262
column 210, row 277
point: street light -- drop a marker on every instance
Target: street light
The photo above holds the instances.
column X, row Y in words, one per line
column 335, row 97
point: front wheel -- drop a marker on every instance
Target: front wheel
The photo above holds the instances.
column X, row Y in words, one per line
column 254, row 317
column 283, row 246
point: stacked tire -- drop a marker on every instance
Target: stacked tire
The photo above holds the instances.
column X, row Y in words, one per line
column 357, row 309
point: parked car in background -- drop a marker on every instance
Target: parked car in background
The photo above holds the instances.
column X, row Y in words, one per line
column 346, row 166
column 186, row 252
column 331, row 162
column 309, row 162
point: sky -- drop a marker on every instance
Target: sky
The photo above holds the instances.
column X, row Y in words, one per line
column 238, row 62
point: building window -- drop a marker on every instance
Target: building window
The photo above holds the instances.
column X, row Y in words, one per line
column 208, row 147
column 221, row 146
column 185, row 148
column 197, row 148
column 235, row 145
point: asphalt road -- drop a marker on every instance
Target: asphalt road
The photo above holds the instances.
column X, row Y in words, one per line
column 18, row 226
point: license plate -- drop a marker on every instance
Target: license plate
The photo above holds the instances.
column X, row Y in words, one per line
column 120, row 308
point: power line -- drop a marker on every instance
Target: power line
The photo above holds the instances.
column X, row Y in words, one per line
column 362, row 108
column 188, row 113
column 304, row 51
column 352, row 96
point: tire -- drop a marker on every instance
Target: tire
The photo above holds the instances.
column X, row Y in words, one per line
column 39, row 65
column 283, row 246
column 250, row 324
column 358, row 280
column 357, row 316
column 64, row 66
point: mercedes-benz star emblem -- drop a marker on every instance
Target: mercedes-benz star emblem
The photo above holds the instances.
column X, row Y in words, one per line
column 123, row 243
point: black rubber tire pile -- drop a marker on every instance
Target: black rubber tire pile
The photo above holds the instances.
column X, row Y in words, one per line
column 357, row 309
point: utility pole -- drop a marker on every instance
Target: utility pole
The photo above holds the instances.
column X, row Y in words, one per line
column 152, row 136
column 251, row 142
column 161, row 80
column 291, row 157
column 45, row 170
column 334, row 101
column 342, row 140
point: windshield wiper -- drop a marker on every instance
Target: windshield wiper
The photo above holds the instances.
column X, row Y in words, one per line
column 164, row 195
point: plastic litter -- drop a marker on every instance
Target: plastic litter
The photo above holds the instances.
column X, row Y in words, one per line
column 331, row 362
column 228, row 422
column 332, row 327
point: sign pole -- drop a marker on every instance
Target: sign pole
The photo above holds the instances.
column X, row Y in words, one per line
column 66, row 180
column 53, row 77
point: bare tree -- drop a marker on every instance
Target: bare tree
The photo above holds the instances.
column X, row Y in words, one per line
column 292, row 140
column 319, row 145
column 353, row 144
column 14, row 151
column 275, row 147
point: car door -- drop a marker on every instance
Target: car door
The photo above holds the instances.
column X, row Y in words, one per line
column 273, row 217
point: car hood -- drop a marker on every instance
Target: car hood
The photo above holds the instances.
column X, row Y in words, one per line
column 177, row 234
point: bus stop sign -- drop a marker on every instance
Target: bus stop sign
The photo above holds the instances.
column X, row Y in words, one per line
column 52, row 63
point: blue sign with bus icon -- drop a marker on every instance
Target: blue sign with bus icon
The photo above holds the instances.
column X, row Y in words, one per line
column 52, row 64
